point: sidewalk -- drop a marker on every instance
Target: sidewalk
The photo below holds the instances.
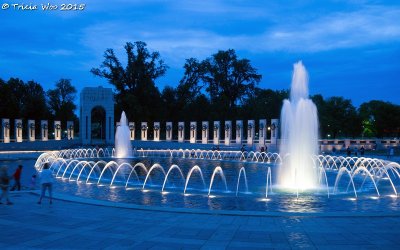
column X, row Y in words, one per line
column 68, row 225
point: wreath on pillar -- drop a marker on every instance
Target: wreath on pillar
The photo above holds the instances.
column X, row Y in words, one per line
column 44, row 126
column 19, row 125
column 169, row 128
column 156, row 127
column 192, row 127
column 237, row 127
column 7, row 125
column 250, row 126
column 216, row 126
column 32, row 125
column 58, row 126
column 144, row 127
column 205, row 127
column 227, row 127
column 131, row 127
column 180, row 127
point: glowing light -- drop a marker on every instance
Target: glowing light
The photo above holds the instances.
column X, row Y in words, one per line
column 265, row 199
column 130, row 188
column 113, row 187
column 352, row 199
column 165, row 192
column 374, row 197
column 212, row 196
column 186, row 194
column 145, row 190
column 392, row 196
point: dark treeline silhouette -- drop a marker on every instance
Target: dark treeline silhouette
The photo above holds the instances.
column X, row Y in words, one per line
column 28, row 100
column 218, row 88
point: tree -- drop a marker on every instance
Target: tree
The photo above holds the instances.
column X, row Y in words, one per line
column 380, row 118
column 341, row 117
column 227, row 79
column 61, row 100
column 136, row 92
column 34, row 101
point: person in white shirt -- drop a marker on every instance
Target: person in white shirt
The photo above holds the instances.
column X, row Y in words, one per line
column 46, row 182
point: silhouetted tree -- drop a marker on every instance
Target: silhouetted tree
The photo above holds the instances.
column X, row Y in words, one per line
column 61, row 100
column 136, row 92
column 380, row 118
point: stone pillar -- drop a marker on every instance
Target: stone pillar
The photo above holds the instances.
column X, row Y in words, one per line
column 70, row 130
column 44, row 131
column 131, row 131
column 274, row 131
column 31, row 130
column 144, row 129
column 156, row 131
column 228, row 132
column 239, row 131
column 193, row 131
column 262, row 132
column 181, row 131
column 6, row 130
column 204, row 132
column 216, row 132
column 18, row 130
column 168, row 131
column 57, row 130
column 250, row 132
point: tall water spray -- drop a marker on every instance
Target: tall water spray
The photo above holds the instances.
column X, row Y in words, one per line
column 299, row 126
column 123, row 147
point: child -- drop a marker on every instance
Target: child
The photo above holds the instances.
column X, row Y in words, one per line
column 33, row 181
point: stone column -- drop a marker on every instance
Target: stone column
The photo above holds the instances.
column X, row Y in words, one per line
column 216, row 132
column 57, row 130
column 262, row 132
column 250, row 132
column 131, row 131
column 181, row 131
column 156, row 131
column 144, row 129
column 239, row 131
column 168, row 131
column 70, row 130
column 6, row 130
column 193, row 131
column 204, row 132
column 18, row 130
column 274, row 131
column 44, row 131
column 31, row 130
column 228, row 132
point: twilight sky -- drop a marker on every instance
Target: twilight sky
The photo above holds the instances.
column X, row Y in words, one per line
column 350, row 48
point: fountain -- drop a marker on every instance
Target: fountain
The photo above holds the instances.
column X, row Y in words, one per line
column 299, row 135
column 123, row 147
column 321, row 183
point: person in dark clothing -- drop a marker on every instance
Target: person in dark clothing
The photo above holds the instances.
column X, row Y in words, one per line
column 348, row 151
column 17, row 178
column 362, row 151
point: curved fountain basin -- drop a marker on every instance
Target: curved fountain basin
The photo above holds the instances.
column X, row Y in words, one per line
column 199, row 195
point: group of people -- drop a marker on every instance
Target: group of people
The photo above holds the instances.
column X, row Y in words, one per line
column 46, row 181
column 356, row 151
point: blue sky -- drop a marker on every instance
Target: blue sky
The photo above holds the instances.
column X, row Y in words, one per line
column 350, row 48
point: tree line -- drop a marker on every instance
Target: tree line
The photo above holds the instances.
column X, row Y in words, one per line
column 220, row 87
column 28, row 100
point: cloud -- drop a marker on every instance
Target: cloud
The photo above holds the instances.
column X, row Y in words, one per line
column 57, row 52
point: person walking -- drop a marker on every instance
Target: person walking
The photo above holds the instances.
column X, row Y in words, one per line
column 4, row 183
column 17, row 178
column 46, row 182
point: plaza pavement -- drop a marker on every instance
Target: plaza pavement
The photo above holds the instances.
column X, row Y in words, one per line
column 74, row 225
